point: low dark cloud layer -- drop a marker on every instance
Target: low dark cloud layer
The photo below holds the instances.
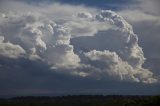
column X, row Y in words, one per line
column 24, row 77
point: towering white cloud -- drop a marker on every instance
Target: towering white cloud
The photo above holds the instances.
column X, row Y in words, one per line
column 110, row 48
column 41, row 39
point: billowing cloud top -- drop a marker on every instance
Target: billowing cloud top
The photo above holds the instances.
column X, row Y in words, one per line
column 78, row 41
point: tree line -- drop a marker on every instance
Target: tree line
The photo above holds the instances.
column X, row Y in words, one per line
column 82, row 100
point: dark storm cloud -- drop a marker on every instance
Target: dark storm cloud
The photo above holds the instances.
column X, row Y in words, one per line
column 103, row 4
column 23, row 77
column 112, row 4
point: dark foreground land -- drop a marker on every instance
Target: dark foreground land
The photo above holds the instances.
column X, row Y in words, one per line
column 111, row 100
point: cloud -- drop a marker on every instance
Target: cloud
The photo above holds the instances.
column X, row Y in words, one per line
column 145, row 19
column 151, row 7
column 114, row 66
column 139, row 16
column 23, row 77
column 10, row 50
column 109, row 49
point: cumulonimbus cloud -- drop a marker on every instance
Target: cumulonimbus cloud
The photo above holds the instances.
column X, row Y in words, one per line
column 106, row 45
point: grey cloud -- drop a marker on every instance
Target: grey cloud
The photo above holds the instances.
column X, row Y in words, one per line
column 23, row 77
column 114, row 66
column 151, row 7
column 145, row 18
column 46, row 37
column 42, row 40
column 10, row 50
column 119, row 39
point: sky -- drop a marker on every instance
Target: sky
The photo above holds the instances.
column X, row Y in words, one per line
column 79, row 47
